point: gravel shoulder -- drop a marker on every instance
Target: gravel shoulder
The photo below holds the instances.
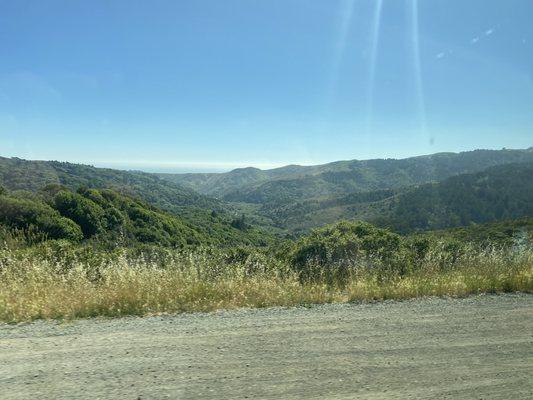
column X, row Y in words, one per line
column 475, row 348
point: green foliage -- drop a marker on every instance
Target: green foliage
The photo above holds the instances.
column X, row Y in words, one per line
column 335, row 250
column 115, row 217
column 498, row 193
column 240, row 223
column 110, row 218
column 84, row 212
column 301, row 216
column 300, row 183
column 142, row 265
column 196, row 219
column 386, row 192
column 507, row 233
column 27, row 215
column 18, row 174
column 131, row 207
column 344, row 242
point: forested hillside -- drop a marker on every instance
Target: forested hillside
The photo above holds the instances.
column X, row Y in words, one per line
column 513, row 232
column 389, row 193
column 502, row 192
column 298, row 183
column 498, row 193
column 18, row 174
column 110, row 218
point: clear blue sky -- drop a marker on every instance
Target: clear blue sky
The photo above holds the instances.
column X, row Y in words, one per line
column 189, row 85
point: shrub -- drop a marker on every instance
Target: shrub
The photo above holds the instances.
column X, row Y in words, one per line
column 86, row 213
column 345, row 244
column 28, row 214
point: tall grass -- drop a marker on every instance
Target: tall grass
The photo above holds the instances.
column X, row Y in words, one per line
column 37, row 285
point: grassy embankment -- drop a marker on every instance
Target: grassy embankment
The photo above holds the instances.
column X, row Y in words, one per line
column 39, row 286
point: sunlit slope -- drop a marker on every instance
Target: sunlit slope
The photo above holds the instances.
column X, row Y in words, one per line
column 297, row 183
column 211, row 219
column 106, row 217
column 497, row 193
column 18, row 174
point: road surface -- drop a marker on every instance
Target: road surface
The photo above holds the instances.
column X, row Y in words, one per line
column 475, row 348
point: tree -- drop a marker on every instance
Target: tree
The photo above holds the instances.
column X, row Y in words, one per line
column 342, row 245
column 240, row 223
column 27, row 214
column 87, row 214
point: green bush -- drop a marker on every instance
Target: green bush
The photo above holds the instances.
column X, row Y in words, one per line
column 28, row 214
column 86, row 213
column 345, row 244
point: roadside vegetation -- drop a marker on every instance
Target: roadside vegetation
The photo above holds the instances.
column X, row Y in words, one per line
column 111, row 219
column 345, row 262
column 78, row 241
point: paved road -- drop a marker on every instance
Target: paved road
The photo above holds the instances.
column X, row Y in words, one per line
column 475, row 348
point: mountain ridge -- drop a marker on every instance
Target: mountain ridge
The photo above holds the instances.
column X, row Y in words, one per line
column 496, row 193
column 294, row 199
column 292, row 182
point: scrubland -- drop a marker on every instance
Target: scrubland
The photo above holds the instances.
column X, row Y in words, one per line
column 65, row 283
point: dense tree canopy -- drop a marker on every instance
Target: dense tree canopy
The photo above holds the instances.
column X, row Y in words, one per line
column 345, row 241
column 106, row 216
column 26, row 214
column 411, row 195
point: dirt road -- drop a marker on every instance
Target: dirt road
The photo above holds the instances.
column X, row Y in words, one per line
column 476, row 348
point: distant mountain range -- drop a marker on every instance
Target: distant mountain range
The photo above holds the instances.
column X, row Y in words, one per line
column 19, row 174
column 419, row 193
column 206, row 216
column 297, row 183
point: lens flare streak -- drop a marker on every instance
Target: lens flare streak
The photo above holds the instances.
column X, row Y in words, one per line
column 376, row 22
column 417, row 65
column 345, row 19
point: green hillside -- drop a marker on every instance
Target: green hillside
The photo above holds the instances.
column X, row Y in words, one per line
column 514, row 232
column 297, row 183
column 195, row 208
column 502, row 192
column 498, row 193
column 108, row 217
column 387, row 193
column 18, row 174
column 301, row 216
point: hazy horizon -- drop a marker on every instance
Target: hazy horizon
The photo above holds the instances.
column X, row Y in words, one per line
column 201, row 167
column 212, row 85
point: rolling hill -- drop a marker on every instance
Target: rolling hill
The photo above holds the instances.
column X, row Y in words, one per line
column 497, row 193
column 438, row 191
column 19, row 174
column 206, row 215
column 107, row 217
column 299, row 183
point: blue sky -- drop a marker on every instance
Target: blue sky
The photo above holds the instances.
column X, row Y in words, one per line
column 213, row 85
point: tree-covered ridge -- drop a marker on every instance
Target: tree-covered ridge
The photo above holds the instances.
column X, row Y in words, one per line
column 301, row 216
column 295, row 206
column 297, row 183
column 514, row 232
column 498, row 193
column 192, row 207
column 18, row 174
column 108, row 217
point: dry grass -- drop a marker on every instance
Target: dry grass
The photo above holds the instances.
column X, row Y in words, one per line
column 33, row 288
